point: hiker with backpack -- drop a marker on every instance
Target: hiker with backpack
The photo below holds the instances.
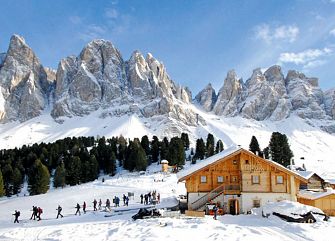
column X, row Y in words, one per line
column 95, row 205
column 16, row 215
column 59, row 210
column 78, row 209
column 39, row 212
column 34, row 214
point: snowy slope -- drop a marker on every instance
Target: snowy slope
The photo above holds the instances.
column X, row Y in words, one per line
column 306, row 141
column 94, row 226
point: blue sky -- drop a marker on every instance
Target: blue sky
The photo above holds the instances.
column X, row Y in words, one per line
column 198, row 41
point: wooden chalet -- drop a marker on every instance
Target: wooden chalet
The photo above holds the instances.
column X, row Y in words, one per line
column 238, row 180
column 323, row 200
column 315, row 182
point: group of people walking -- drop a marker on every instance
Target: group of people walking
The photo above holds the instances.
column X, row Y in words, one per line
column 148, row 198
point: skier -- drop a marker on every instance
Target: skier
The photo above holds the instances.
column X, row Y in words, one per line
column 59, row 209
column 215, row 209
column 117, row 201
column 100, row 203
column 78, row 209
column 127, row 200
column 158, row 198
column 34, row 214
column 16, row 215
column 141, row 198
column 39, row 212
column 84, row 207
column 95, row 205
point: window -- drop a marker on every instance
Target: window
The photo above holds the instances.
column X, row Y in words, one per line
column 255, row 179
column 246, row 162
column 256, row 203
column 220, row 179
column 234, row 162
column 234, row 179
column 280, row 179
column 203, row 179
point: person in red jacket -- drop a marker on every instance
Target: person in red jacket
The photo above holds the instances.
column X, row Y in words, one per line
column 39, row 212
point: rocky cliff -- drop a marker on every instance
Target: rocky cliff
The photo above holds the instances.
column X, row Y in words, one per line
column 271, row 95
column 99, row 78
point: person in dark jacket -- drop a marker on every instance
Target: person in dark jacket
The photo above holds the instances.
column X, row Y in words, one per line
column 59, row 210
column 78, row 209
column 215, row 210
column 16, row 215
column 141, row 198
column 100, row 204
column 95, row 205
column 34, row 214
column 84, row 207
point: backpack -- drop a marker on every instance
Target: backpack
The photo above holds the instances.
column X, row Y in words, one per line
column 18, row 213
column 41, row 210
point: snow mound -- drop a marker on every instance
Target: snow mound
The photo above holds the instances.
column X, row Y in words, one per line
column 287, row 208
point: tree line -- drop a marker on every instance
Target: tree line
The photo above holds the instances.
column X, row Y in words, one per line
column 278, row 149
column 75, row 160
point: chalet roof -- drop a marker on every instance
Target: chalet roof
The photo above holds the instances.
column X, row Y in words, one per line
column 224, row 154
column 315, row 195
column 201, row 164
column 305, row 174
column 331, row 181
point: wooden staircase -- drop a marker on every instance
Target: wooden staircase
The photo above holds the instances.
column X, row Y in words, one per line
column 199, row 203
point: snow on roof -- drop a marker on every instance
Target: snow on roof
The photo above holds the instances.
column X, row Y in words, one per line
column 331, row 181
column 208, row 161
column 315, row 195
column 305, row 174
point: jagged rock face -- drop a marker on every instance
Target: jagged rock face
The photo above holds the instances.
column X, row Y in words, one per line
column 229, row 96
column 2, row 58
column 99, row 77
column 23, row 82
column 207, row 97
column 267, row 96
column 305, row 95
column 329, row 101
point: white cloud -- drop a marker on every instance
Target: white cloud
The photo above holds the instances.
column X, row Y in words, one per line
column 75, row 19
column 111, row 13
column 309, row 58
column 332, row 32
column 93, row 31
column 287, row 33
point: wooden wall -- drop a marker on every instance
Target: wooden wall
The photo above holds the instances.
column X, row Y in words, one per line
column 326, row 204
column 242, row 167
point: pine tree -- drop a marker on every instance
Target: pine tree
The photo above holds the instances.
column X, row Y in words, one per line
column 136, row 158
column 164, row 148
column 2, row 187
column 38, row 179
column 199, row 149
column 111, row 164
column 145, row 143
column 219, row 146
column 176, row 154
column 7, row 172
column 93, row 168
column 186, row 141
column 16, row 181
column 141, row 161
column 122, row 147
column 254, row 146
column 59, row 176
column 279, row 149
column 73, row 171
column 154, row 149
column 266, row 153
column 210, row 145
